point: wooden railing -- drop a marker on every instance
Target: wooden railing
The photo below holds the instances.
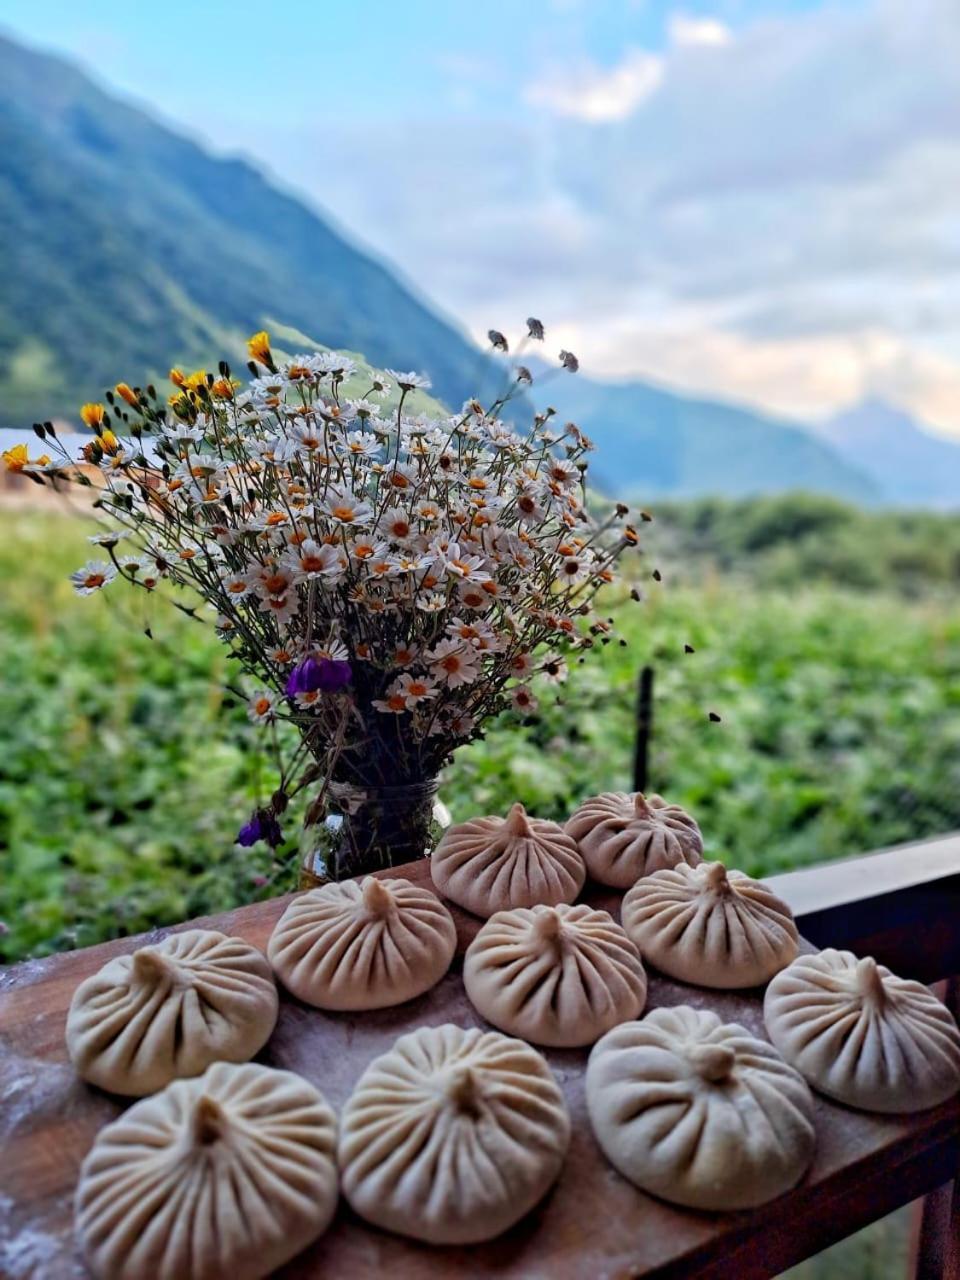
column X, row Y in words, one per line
column 902, row 906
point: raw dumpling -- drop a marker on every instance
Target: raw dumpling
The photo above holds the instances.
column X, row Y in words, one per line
column 363, row 946
column 492, row 864
column 699, row 1113
column 169, row 1010
column 453, row 1135
column 623, row 837
column 862, row 1035
column 710, row 926
column 557, row 976
column 228, row 1175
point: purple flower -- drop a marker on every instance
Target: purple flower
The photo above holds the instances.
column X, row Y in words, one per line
column 326, row 674
column 263, row 825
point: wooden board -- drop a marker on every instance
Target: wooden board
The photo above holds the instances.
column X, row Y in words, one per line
column 593, row 1225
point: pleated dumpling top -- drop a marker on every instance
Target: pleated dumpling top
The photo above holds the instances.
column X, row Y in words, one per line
column 453, row 1135
column 862, row 1035
column 223, row 1177
column 366, row 945
column 169, row 1010
column 698, row 1112
column 492, row 864
column 625, row 836
column 709, row 926
column 558, row 976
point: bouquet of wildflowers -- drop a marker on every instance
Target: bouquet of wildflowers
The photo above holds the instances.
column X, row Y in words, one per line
column 388, row 580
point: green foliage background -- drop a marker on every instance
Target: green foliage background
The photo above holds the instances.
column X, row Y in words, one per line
column 828, row 640
column 126, row 768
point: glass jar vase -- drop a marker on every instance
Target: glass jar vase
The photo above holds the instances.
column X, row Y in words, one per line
column 369, row 828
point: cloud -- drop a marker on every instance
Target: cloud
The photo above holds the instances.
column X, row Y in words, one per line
column 772, row 217
column 598, row 94
column 685, row 30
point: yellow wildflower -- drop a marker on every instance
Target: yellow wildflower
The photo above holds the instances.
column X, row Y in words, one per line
column 93, row 415
column 16, row 459
column 177, row 378
column 259, row 348
column 127, row 393
column 108, row 442
column 222, row 389
column 196, row 380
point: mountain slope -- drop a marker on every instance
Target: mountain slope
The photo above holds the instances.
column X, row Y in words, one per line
column 125, row 248
column 655, row 442
column 909, row 466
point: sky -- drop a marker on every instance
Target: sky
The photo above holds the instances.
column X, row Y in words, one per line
column 753, row 199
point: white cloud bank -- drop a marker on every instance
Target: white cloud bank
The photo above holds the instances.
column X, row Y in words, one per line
column 771, row 215
column 598, row 94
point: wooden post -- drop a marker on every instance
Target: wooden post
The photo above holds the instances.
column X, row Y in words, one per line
column 644, row 729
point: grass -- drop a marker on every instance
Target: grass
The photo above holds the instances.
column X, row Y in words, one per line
column 125, row 769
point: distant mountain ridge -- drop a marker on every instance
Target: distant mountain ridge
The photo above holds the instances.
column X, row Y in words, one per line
column 909, row 466
column 655, row 442
column 126, row 248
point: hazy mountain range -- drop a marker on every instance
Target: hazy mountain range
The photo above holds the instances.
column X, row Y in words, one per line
column 908, row 465
column 126, row 248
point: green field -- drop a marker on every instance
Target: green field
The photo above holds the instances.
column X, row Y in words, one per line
column 827, row 640
column 125, row 769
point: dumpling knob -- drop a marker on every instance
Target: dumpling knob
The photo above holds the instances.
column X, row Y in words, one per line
column 548, row 926
column 715, row 878
column 463, row 1090
column 377, row 898
column 517, row 823
column 714, row 1062
column 870, row 983
column 207, row 1121
column 151, row 967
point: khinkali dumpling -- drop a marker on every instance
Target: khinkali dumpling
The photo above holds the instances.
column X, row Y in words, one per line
column 363, row 946
column 623, row 837
column 862, row 1035
column 224, row 1177
column 169, row 1010
column 699, row 1113
column 557, row 976
column 710, row 926
column 492, row 864
column 453, row 1135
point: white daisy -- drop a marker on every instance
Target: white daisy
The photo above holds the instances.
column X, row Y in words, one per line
column 360, row 444
column 236, row 585
column 395, row 524
column 454, row 663
column 409, row 381
column 413, row 689
column 262, row 707
column 522, row 699
column 316, row 560
column 92, row 576
column 345, row 507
